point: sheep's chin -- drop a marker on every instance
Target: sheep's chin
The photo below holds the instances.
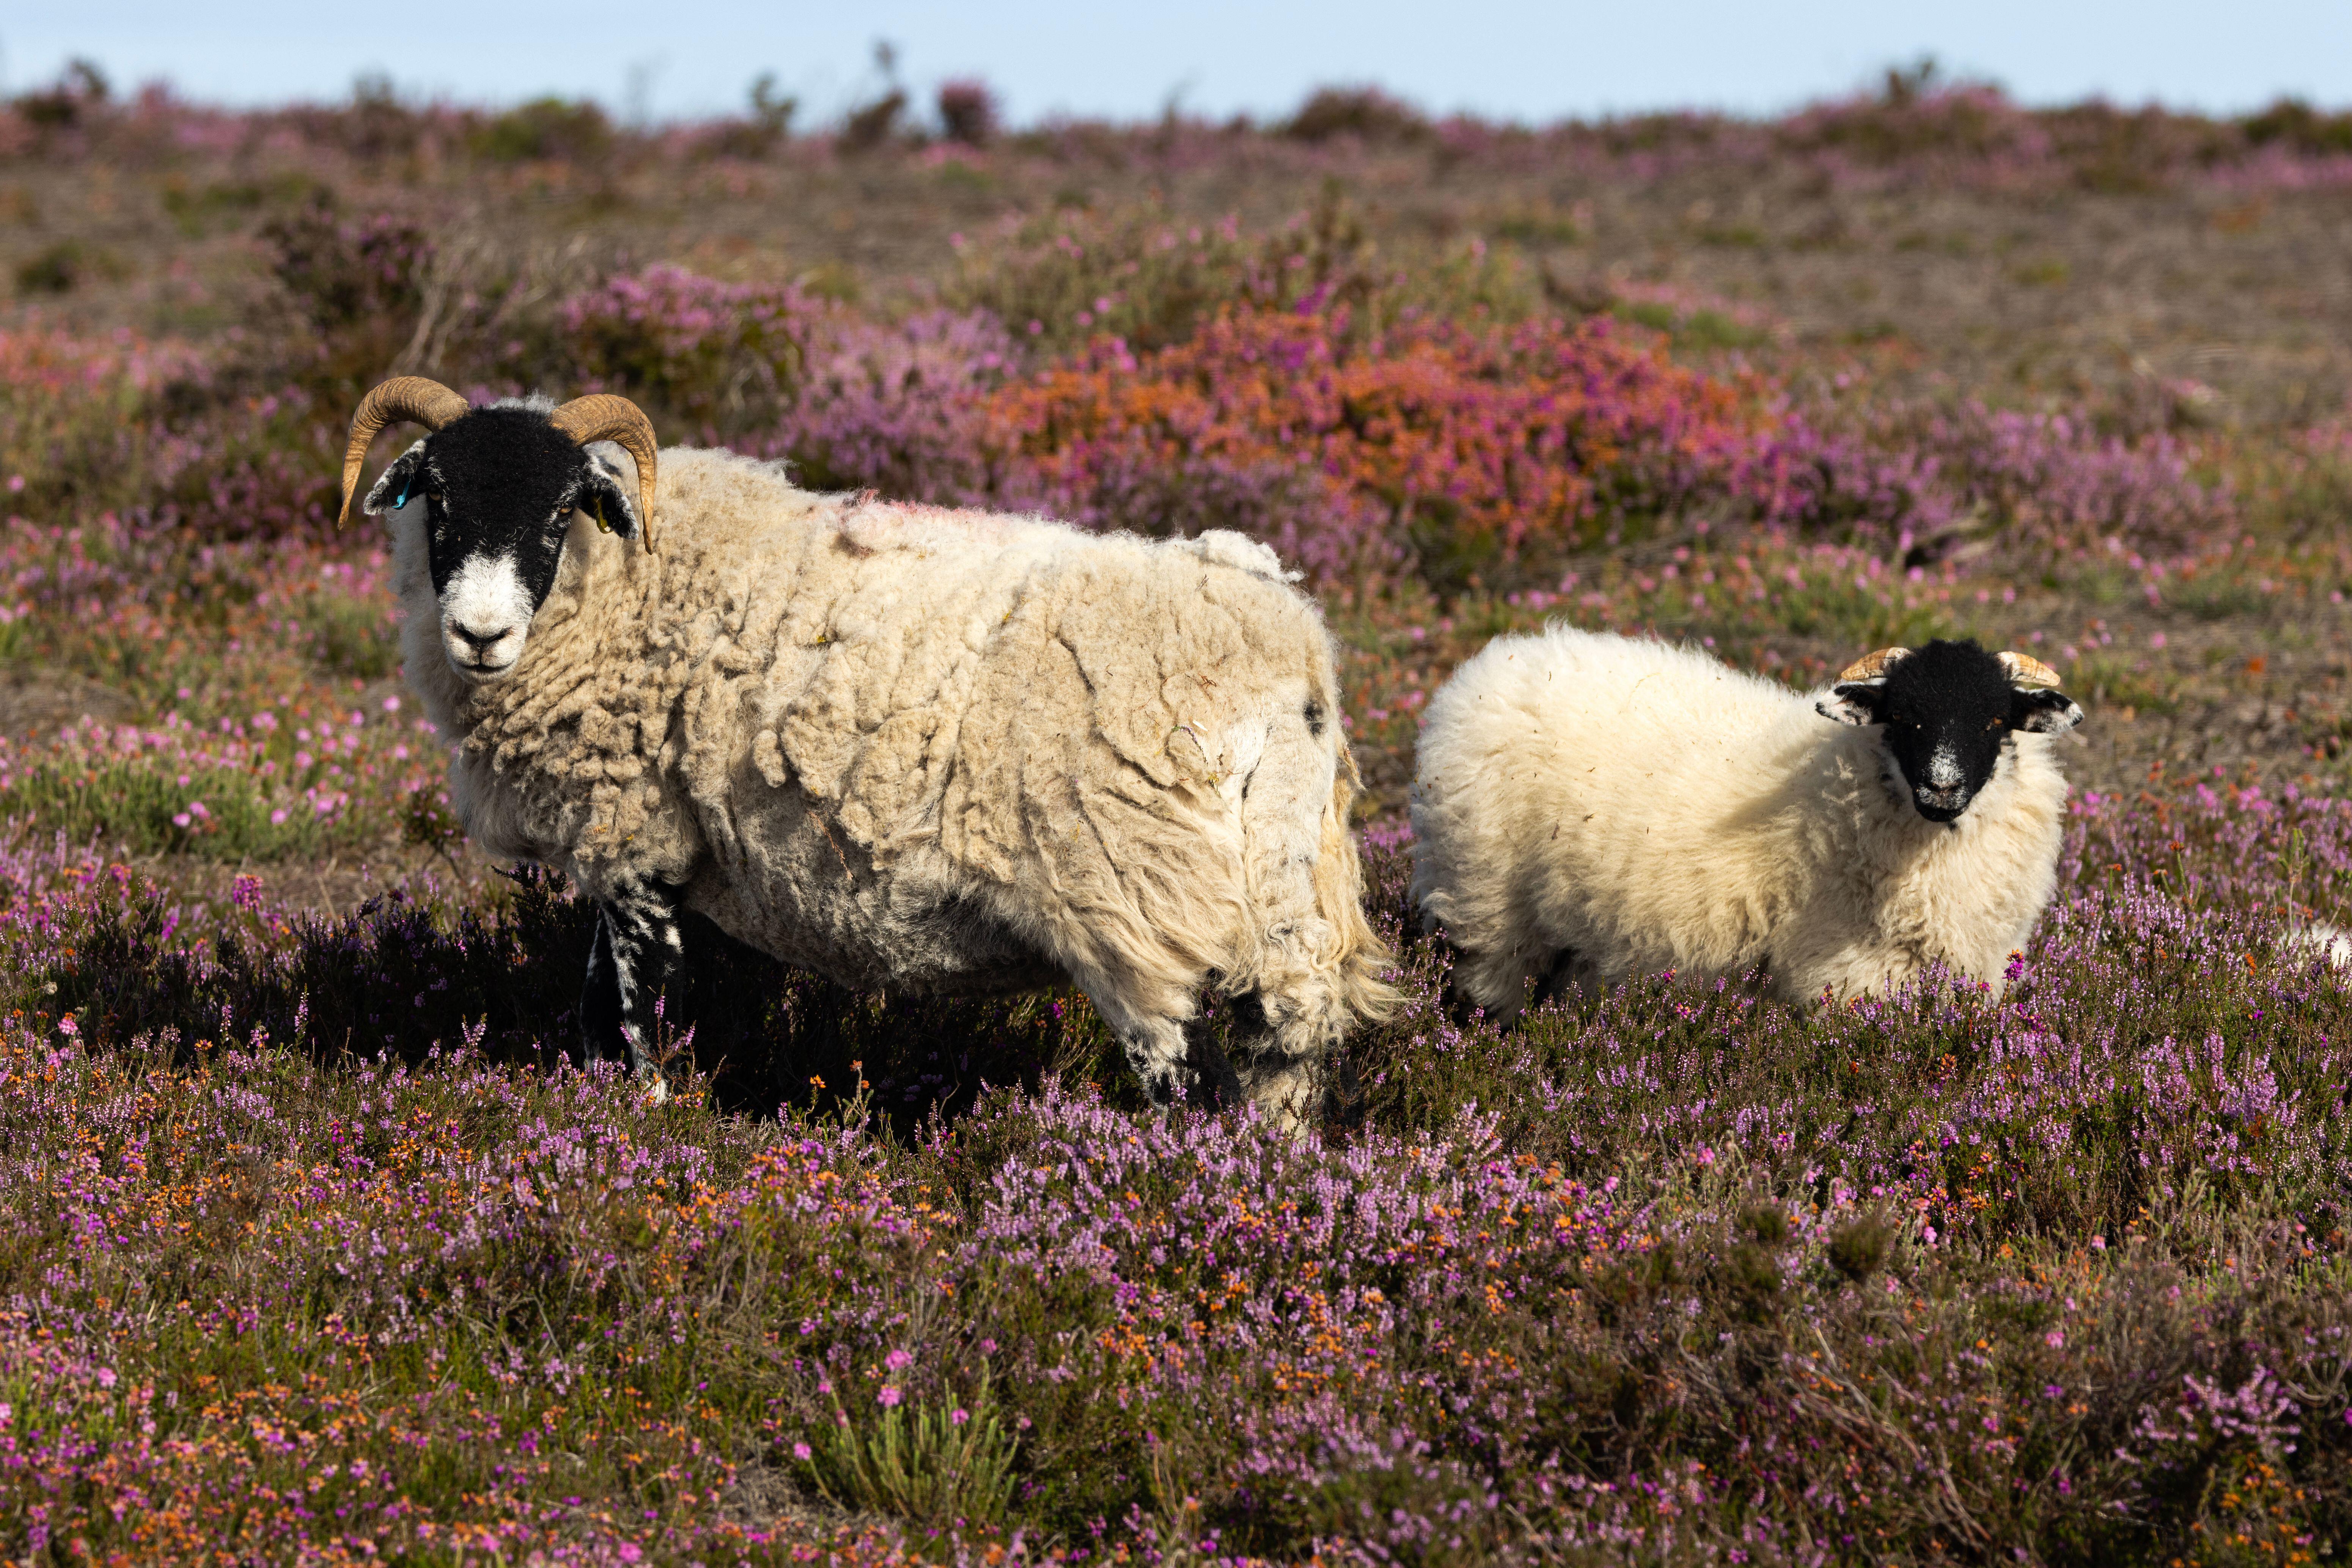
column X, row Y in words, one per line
column 457, row 653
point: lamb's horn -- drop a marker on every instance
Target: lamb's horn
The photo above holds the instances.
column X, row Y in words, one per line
column 404, row 398
column 608, row 416
column 1872, row 665
column 2028, row 673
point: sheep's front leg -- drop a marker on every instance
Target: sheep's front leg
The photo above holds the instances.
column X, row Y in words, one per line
column 633, row 959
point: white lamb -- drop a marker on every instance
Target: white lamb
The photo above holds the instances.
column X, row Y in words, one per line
column 1591, row 806
column 897, row 745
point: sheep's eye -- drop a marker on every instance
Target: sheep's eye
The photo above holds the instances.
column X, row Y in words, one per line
column 565, row 512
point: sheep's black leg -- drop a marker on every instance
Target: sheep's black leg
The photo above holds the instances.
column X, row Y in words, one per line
column 634, row 959
column 599, row 1003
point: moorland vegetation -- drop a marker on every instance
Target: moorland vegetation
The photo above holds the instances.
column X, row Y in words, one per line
column 315, row 1248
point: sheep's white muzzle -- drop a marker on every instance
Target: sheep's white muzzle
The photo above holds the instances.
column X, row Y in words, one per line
column 484, row 616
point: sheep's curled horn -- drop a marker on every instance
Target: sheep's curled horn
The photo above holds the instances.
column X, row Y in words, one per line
column 2024, row 671
column 1872, row 666
column 2028, row 673
column 601, row 417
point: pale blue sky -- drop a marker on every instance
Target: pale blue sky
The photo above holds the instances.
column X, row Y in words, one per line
column 1508, row 58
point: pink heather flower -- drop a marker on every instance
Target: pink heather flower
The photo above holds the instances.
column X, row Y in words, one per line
column 896, row 1359
column 391, row 704
column 66, row 1025
column 245, row 892
column 958, row 1417
column 2054, row 1338
column 803, row 1452
column 278, row 816
column 180, row 819
column 2099, row 1244
column 16, row 483
column 888, row 1397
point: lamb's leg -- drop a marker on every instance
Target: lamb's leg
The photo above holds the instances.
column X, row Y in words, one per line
column 1564, row 979
column 633, row 961
column 1493, row 982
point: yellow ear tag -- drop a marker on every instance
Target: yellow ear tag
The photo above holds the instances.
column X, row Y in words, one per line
column 598, row 510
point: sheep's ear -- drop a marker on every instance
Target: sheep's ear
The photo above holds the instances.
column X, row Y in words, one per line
column 391, row 490
column 2045, row 710
column 608, row 502
column 1855, row 703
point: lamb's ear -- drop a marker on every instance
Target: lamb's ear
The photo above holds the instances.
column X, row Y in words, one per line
column 1861, row 688
column 2035, row 704
column 2045, row 710
column 391, row 490
column 1855, row 703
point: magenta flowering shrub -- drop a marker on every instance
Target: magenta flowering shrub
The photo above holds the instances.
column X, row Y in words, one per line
column 900, row 407
column 1668, row 1272
column 2035, row 481
column 344, row 275
column 720, row 357
column 251, row 753
column 1461, row 451
column 1456, row 445
column 260, row 787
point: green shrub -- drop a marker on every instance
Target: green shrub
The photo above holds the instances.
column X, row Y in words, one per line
column 62, row 267
column 545, row 129
column 927, row 1462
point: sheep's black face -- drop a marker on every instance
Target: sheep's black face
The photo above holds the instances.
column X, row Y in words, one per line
column 1948, row 710
column 499, row 488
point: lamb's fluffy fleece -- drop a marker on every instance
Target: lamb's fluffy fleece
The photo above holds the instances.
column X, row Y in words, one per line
column 945, row 750
column 1637, row 807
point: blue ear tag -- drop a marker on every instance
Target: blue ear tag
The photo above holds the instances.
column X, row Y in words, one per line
column 402, row 503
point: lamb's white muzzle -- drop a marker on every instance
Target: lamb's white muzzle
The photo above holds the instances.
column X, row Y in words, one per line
column 484, row 616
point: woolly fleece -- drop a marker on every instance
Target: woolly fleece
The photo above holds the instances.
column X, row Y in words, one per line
column 946, row 751
column 1642, row 807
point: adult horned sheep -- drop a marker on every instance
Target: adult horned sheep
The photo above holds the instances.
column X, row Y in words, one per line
column 1591, row 806
column 899, row 746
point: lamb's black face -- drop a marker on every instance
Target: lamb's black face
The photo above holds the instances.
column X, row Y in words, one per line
column 499, row 488
column 1948, row 710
